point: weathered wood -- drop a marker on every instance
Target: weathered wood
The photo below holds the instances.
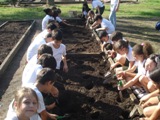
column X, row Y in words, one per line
column 79, row 54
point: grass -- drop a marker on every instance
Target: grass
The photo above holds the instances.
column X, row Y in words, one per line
column 135, row 20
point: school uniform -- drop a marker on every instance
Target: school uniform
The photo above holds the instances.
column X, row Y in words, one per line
column 30, row 75
column 140, row 67
column 107, row 24
column 98, row 3
column 45, row 21
column 33, row 48
column 58, row 53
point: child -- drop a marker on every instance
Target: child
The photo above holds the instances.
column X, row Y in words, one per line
column 33, row 48
column 123, row 48
column 44, row 84
column 99, row 6
column 61, row 22
column 45, row 60
column 150, row 102
column 59, row 51
column 105, row 24
column 103, row 35
column 151, row 64
column 24, row 106
column 47, row 18
column 141, row 53
column 85, row 10
column 113, row 9
column 90, row 19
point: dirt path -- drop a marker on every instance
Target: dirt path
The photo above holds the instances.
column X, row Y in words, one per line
column 13, row 74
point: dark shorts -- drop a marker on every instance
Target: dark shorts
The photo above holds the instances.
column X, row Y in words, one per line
column 101, row 10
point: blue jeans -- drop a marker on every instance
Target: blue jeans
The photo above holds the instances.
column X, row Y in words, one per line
column 112, row 18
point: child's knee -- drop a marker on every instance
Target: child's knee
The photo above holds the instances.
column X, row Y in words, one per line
column 147, row 112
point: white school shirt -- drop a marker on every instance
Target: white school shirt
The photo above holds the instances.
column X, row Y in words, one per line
column 45, row 21
column 13, row 116
column 107, row 24
column 30, row 75
column 58, row 19
column 58, row 53
column 97, row 3
column 129, row 56
column 140, row 67
column 33, row 48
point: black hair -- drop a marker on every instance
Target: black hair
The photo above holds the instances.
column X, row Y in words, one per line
column 120, row 44
column 48, row 35
column 47, row 11
column 102, row 34
column 116, row 36
column 57, row 35
column 155, row 58
column 85, row 7
column 45, row 49
column 143, row 49
column 58, row 11
column 155, row 76
column 46, row 75
column 51, row 26
column 97, row 17
column 47, row 60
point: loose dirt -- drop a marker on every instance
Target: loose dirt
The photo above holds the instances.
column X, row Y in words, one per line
column 85, row 97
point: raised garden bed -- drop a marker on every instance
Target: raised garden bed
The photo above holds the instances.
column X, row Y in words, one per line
column 13, row 34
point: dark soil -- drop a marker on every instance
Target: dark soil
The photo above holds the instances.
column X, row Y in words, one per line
column 86, row 98
column 10, row 35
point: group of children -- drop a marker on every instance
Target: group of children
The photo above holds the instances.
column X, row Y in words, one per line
column 141, row 71
column 46, row 59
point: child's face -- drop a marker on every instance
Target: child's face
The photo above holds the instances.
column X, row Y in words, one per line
column 29, row 106
column 137, row 57
column 121, row 51
column 99, row 21
column 105, row 38
column 150, row 65
column 57, row 43
column 48, row 87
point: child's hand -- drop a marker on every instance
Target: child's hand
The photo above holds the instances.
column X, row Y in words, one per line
column 144, row 99
column 91, row 27
column 53, row 116
column 120, row 88
column 51, row 106
column 65, row 68
column 54, row 91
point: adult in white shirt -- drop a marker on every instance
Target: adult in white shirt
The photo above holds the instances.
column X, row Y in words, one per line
column 113, row 9
column 30, row 74
column 48, row 18
column 105, row 24
column 99, row 6
column 59, row 51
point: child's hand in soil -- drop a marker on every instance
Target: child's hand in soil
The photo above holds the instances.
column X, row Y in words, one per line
column 120, row 88
column 53, row 116
column 120, row 75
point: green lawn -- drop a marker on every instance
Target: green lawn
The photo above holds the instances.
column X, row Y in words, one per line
column 145, row 8
column 135, row 20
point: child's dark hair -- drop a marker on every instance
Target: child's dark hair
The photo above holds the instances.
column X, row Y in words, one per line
column 155, row 58
column 51, row 26
column 97, row 17
column 120, row 44
column 47, row 10
column 46, row 75
column 143, row 49
column 155, row 76
column 102, row 34
column 45, row 49
column 108, row 46
column 57, row 35
column 59, row 11
column 47, row 60
column 116, row 36
column 85, row 7
column 90, row 12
